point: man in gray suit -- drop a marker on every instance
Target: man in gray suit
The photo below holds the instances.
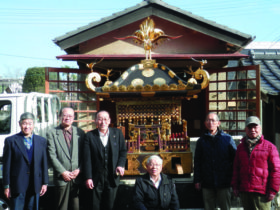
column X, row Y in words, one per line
column 64, row 149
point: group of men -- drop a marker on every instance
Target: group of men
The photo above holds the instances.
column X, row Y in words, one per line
column 251, row 170
column 97, row 158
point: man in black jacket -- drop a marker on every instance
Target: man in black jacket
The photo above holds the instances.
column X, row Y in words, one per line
column 154, row 190
column 104, row 160
column 213, row 163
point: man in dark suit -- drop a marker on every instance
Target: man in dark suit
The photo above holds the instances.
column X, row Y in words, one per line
column 104, row 160
column 25, row 166
column 64, row 150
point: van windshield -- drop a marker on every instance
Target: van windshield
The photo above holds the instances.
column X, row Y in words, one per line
column 5, row 117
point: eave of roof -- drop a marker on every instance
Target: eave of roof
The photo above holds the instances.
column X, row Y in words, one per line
column 183, row 17
column 269, row 61
column 74, row 57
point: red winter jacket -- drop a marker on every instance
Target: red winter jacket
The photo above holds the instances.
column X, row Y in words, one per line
column 258, row 173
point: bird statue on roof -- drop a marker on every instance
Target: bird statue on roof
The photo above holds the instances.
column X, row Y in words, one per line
column 108, row 82
column 149, row 36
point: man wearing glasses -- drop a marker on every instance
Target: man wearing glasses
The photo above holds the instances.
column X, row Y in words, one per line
column 65, row 151
column 104, row 160
column 155, row 190
column 213, row 163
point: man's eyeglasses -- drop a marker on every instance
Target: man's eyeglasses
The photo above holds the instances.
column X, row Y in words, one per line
column 154, row 165
column 211, row 120
column 67, row 116
column 100, row 120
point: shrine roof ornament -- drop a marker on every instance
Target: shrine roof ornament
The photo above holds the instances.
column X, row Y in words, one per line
column 149, row 36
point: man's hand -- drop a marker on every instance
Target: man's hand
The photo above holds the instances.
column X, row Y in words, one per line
column 120, row 170
column 67, row 176
column 43, row 190
column 89, row 184
column 197, row 186
column 75, row 173
column 270, row 197
column 7, row 193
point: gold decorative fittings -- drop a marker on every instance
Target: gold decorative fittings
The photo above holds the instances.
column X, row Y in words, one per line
column 149, row 37
column 199, row 74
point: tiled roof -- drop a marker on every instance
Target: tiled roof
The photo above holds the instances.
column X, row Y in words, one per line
column 195, row 22
column 269, row 61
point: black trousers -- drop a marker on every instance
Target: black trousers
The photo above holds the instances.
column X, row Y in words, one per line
column 103, row 195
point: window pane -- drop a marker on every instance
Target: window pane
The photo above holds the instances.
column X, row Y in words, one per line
column 241, row 125
column 72, row 87
column 73, row 77
column 227, row 115
column 222, row 96
column 241, row 75
column 231, row 115
column 52, row 75
column 224, row 125
column 242, row 105
column 213, row 77
column 213, row 86
column 83, row 97
column 231, row 75
column 222, row 76
column 241, row 85
column 232, row 125
column 222, row 105
column 232, row 85
column 5, row 117
column 53, row 85
column 242, row 115
column 252, row 94
column 46, row 107
column 222, row 86
column 213, row 106
column 223, row 116
column 232, row 95
column 242, row 95
column 82, row 116
column 62, row 76
column 251, row 74
column 252, row 84
column 212, row 96
column 63, row 86
column 73, row 96
column 39, row 111
column 252, row 105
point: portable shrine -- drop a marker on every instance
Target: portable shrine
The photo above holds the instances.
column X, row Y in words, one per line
column 148, row 99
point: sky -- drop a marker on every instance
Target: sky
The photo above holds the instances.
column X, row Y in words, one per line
column 28, row 27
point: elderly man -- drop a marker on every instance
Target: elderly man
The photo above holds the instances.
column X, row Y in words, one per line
column 256, row 171
column 25, row 166
column 213, row 161
column 65, row 154
column 104, row 160
column 155, row 190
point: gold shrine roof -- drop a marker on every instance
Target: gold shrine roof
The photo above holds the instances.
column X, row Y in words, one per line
column 149, row 79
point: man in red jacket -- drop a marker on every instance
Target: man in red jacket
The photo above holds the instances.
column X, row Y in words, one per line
column 256, row 169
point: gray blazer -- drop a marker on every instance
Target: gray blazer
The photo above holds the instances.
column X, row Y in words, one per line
column 59, row 155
